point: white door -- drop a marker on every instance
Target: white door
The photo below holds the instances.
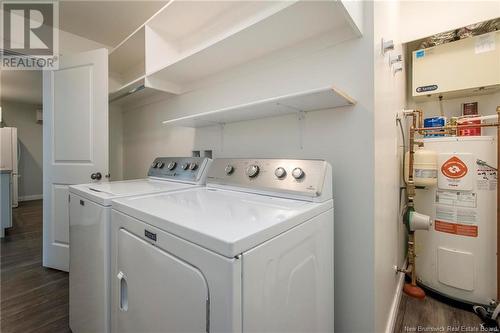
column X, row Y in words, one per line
column 157, row 292
column 75, row 141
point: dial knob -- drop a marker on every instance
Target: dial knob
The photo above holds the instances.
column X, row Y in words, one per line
column 184, row 166
column 280, row 172
column 154, row 165
column 160, row 165
column 171, row 165
column 229, row 169
column 253, row 171
column 298, row 173
column 193, row 166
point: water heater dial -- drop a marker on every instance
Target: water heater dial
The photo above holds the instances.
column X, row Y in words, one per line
column 252, row 171
column 171, row 165
column 298, row 173
column 280, row 173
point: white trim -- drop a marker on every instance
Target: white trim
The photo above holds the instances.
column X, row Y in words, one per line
column 31, row 197
column 391, row 321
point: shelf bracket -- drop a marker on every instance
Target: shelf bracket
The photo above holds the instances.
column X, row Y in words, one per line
column 301, row 117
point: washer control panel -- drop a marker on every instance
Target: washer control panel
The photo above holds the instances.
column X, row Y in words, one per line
column 301, row 177
column 178, row 168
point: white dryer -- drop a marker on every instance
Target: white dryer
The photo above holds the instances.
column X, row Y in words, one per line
column 250, row 252
column 90, row 216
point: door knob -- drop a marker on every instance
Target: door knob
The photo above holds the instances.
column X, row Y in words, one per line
column 96, row 176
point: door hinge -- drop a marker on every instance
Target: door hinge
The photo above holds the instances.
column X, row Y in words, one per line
column 207, row 326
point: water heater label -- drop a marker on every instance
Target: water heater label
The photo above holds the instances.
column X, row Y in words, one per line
column 486, row 179
column 456, row 228
column 454, row 168
column 456, row 198
column 455, row 171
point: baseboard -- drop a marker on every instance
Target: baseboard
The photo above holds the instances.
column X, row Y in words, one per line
column 391, row 321
column 30, row 197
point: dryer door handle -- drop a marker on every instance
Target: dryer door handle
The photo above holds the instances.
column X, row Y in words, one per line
column 123, row 301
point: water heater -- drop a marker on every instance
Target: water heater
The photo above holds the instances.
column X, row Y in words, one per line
column 461, row 68
column 457, row 256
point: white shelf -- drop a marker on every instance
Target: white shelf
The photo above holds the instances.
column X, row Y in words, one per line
column 127, row 60
column 312, row 100
column 188, row 41
column 135, row 92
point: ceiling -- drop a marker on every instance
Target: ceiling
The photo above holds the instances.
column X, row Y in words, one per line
column 106, row 22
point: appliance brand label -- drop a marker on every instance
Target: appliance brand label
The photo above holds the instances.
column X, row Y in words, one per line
column 454, row 168
column 456, row 228
column 150, row 235
column 431, row 87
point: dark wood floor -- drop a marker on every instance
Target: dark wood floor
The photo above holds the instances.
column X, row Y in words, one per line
column 32, row 298
column 416, row 315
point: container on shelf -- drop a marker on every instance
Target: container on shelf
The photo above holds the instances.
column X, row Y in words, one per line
column 469, row 131
column 434, row 122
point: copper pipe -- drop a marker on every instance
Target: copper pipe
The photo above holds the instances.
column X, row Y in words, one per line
column 411, row 257
column 449, row 127
column 417, row 118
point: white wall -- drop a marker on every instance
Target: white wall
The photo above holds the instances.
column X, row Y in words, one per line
column 389, row 230
column 115, row 142
column 344, row 137
column 23, row 116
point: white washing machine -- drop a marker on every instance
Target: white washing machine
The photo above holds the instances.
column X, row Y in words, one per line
column 250, row 252
column 90, row 216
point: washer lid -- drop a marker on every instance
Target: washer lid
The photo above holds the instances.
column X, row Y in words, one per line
column 103, row 193
column 224, row 221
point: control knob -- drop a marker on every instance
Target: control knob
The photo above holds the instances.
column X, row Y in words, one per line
column 229, row 169
column 160, row 165
column 252, row 171
column 280, row 172
column 193, row 166
column 298, row 173
column 154, row 165
column 171, row 165
column 184, row 166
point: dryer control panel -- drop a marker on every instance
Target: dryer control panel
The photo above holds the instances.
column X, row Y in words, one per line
column 190, row 169
column 294, row 177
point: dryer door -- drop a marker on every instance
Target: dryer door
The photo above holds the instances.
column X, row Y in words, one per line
column 156, row 291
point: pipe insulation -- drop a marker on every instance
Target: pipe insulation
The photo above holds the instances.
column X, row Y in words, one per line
column 481, row 118
column 419, row 221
